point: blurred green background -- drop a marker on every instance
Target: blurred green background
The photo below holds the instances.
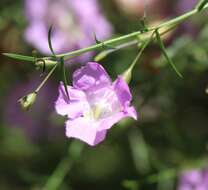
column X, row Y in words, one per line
column 170, row 135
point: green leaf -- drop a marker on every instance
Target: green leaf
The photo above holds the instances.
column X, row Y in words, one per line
column 49, row 41
column 101, row 55
column 201, row 4
column 127, row 74
column 131, row 184
column 162, row 176
column 63, row 72
column 20, row 57
column 160, row 42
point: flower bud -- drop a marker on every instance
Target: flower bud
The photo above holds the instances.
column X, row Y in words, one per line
column 101, row 56
column 127, row 75
column 27, row 101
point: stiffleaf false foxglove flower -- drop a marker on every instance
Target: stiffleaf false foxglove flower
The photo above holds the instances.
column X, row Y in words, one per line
column 196, row 179
column 74, row 22
column 95, row 103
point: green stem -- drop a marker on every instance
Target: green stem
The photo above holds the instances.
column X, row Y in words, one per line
column 127, row 75
column 143, row 46
column 131, row 36
column 105, row 53
column 64, row 166
column 58, row 176
column 119, row 40
column 46, row 78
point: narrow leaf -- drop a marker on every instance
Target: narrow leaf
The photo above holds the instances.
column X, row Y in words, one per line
column 49, row 41
column 20, row 57
column 128, row 73
column 160, row 42
column 63, row 73
column 201, row 4
column 101, row 55
column 96, row 40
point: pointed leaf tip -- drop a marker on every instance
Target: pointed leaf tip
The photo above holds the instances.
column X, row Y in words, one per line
column 63, row 73
column 200, row 5
column 19, row 57
column 49, row 41
column 162, row 46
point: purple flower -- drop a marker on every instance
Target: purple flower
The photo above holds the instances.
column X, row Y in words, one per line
column 95, row 104
column 194, row 180
column 74, row 23
column 184, row 5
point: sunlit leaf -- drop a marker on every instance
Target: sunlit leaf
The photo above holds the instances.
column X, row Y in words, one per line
column 131, row 184
column 201, row 4
column 160, row 42
column 20, row 57
column 162, row 176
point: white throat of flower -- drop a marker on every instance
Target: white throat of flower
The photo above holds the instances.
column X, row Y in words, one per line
column 102, row 105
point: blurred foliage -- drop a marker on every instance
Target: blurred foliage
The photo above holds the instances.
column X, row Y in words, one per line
column 170, row 135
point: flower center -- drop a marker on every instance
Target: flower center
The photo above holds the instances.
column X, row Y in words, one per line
column 102, row 104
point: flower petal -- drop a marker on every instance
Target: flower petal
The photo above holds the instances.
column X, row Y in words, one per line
column 72, row 107
column 83, row 129
column 123, row 93
column 91, row 76
column 108, row 122
column 131, row 112
column 191, row 176
column 36, row 9
column 35, row 32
